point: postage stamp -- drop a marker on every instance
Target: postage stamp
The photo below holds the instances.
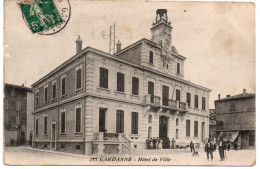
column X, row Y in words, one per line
column 45, row 17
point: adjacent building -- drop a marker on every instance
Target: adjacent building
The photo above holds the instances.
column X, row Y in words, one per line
column 18, row 118
column 212, row 124
column 235, row 118
column 98, row 103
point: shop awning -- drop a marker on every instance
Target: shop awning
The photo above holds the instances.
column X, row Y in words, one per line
column 228, row 136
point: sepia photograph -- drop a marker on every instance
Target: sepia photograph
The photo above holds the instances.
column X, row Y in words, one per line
column 129, row 83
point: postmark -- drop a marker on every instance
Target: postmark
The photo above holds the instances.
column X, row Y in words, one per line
column 45, row 17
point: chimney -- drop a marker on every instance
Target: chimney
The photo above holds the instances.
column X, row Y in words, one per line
column 244, row 91
column 118, row 46
column 218, row 96
column 228, row 95
column 78, row 44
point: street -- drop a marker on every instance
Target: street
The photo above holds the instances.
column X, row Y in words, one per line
column 22, row 155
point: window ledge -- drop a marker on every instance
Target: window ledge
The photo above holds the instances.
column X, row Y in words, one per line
column 55, row 99
column 76, row 90
column 134, row 135
column 150, row 64
column 46, row 135
column 133, row 95
column 104, row 89
column 78, row 133
column 118, row 92
column 62, row 96
column 45, row 102
column 63, row 134
column 196, row 108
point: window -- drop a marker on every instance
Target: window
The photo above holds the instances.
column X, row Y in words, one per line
column 165, row 95
column 188, row 99
column 36, row 127
column 151, row 90
column 62, row 146
column 37, row 98
column 78, row 77
column 196, row 124
column 134, row 123
column 150, row 119
column 119, row 121
column 135, row 86
column 178, row 68
column 18, row 105
column 177, row 134
column 187, row 128
column 45, row 94
column 63, row 122
column 120, row 82
column 63, row 86
column 78, row 120
column 203, row 103
column 178, row 95
column 177, row 122
column 54, row 88
column 103, row 78
column 77, row 147
column 13, row 93
column 196, row 101
column 232, row 107
column 45, row 125
column 151, row 57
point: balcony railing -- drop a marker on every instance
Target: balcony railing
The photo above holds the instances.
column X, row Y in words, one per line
column 152, row 100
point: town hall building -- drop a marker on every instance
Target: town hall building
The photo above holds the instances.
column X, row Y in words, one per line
column 98, row 103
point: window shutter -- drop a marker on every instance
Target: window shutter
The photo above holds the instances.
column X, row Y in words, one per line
column 78, row 120
column 188, row 128
column 78, row 79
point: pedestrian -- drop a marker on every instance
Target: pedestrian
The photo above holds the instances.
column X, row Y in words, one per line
column 221, row 149
column 209, row 148
column 168, row 143
column 157, row 142
column 236, row 145
column 160, row 143
column 192, row 147
column 154, row 143
column 173, row 143
column 228, row 146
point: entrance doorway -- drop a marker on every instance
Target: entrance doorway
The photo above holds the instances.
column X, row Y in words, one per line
column 163, row 127
column 53, row 136
column 102, row 119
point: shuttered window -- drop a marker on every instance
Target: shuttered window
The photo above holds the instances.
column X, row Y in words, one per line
column 78, row 120
column 196, row 101
column 151, row 57
column 78, row 79
column 134, row 123
column 188, row 128
column 178, row 68
column 178, row 95
column 119, row 121
column 188, row 99
column 45, row 124
column 37, row 98
column 120, row 82
column 63, row 86
column 37, row 127
column 54, row 91
column 63, row 122
column 45, row 94
column 135, row 86
column 203, row 103
column 103, row 78
column 196, row 124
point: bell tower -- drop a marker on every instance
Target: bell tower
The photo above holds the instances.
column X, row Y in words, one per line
column 161, row 30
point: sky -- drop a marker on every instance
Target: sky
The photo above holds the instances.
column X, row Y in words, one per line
column 218, row 40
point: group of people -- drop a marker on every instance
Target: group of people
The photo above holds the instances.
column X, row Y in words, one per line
column 159, row 143
column 209, row 148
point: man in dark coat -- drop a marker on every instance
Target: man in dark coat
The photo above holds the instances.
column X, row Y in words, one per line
column 209, row 148
column 221, row 149
column 192, row 147
column 154, row 143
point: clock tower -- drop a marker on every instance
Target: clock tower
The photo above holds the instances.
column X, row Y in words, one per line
column 162, row 30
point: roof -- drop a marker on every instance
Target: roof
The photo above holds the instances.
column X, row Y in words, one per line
column 105, row 54
column 18, row 87
column 239, row 96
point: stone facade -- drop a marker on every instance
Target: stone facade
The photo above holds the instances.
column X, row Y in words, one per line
column 18, row 111
column 101, row 104
column 237, row 114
